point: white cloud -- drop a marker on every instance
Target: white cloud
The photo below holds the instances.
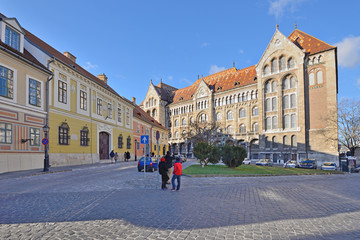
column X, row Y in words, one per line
column 349, row 51
column 90, row 66
column 215, row 69
column 170, row 78
column 241, row 51
column 205, row 44
column 278, row 7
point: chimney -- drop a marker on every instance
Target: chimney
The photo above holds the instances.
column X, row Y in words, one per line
column 102, row 77
column 134, row 100
column 70, row 56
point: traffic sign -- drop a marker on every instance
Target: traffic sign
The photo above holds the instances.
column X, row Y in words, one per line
column 157, row 135
column 45, row 141
column 144, row 139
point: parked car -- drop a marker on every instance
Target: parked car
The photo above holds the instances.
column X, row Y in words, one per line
column 246, row 161
column 308, row 163
column 357, row 169
column 328, row 166
column 264, row 162
column 290, row 164
column 151, row 165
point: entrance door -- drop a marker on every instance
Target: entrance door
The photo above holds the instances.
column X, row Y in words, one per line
column 104, row 145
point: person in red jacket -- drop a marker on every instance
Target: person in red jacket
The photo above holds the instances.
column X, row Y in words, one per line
column 176, row 174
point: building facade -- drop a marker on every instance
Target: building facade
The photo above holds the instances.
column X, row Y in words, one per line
column 22, row 101
column 284, row 107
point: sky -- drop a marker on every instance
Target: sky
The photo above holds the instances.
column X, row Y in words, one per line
column 135, row 41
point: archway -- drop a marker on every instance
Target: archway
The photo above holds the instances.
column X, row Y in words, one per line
column 103, row 145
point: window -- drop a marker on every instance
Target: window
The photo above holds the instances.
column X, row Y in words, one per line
column 286, row 121
column 292, row 101
column 64, row 134
column 218, row 117
column 230, row 130
column 12, row 38
column 154, row 113
column 34, row 92
column 242, row 113
column 231, row 100
column 293, row 141
column 274, row 142
column 267, row 87
column 291, row 63
column 120, row 141
column 128, row 142
column 203, row 118
column 267, row 142
column 266, row 70
column 292, row 82
column 138, row 129
column 274, row 65
column 274, row 122
column 242, row 128
column 35, row 136
column 267, row 105
column 319, row 77
column 176, row 123
column 286, row 83
column 183, row 122
column 293, row 120
column 99, row 106
column 83, row 100
column 176, row 134
column 84, row 137
column 255, row 127
column 285, row 142
column 274, row 104
column 6, row 82
column 286, row 101
column 62, row 92
column 282, row 63
column 243, row 97
column 137, row 145
column 127, row 116
column 273, row 86
column 230, row 115
column 255, row 111
column 5, row 132
column 119, row 115
column 192, row 120
column 268, row 123
column 109, row 111
column 311, row 79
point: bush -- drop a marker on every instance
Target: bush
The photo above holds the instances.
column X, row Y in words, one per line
column 203, row 150
column 233, row 156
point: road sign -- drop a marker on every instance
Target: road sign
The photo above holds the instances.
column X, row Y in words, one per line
column 157, row 135
column 144, row 139
column 45, row 141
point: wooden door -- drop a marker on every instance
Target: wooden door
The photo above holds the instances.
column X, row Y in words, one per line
column 104, row 145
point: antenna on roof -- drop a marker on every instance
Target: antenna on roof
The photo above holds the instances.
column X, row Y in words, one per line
column 295, row 25
column 150, row 80
column 233, row 64
column 202, row 76
column 277, row 26
column 160, row 80
column 198, row 76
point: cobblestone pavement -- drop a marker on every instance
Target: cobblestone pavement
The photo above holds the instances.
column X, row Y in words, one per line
column 114, row 201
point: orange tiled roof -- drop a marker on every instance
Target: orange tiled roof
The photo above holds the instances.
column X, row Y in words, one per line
column 309, row 43
column 218, row 82
column 142, row 115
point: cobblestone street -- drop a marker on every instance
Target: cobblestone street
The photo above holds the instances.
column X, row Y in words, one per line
column 115, row 201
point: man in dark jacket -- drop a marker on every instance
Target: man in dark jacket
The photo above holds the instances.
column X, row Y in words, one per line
column 168, row 161
column 163, row 172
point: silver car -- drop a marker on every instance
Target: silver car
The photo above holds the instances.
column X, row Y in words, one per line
column 328, row 166
column 290, row 164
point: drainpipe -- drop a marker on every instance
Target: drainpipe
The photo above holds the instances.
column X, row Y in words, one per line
column 46, row 127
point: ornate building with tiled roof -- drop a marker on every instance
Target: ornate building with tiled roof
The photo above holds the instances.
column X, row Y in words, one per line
column 284, row 107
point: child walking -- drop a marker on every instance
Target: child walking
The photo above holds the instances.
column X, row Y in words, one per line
column 176, row 175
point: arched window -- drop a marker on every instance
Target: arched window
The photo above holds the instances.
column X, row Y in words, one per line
column 274, row 104
column 218, row 117
column 286, row 101
column 242, row 128
column 285, row 142
column 319, row 77
column 267, row 142
column 266, row 70
column 292, row 101
column 293, row 141
column 268, row 123
column 293, row 120
column 154, row 113
column 267, row 105
column 282, row 63
column 291, row 63
column 248, row 97
column 176, row 123
column 239, row 97
column 120, row 141
column 292, row 82
column 255, row 111
column 319, row 59
column 274, row 122
column 274, row 142
column 243, row 97
column 183, row 122
column 230, row 130
column 273, row 86
column 183, row 135
column 192, row 120
column 274, row 66
column 314, row 60
column 216, row 102
column 203, row 118
column 176, row 134
column 230, row 115
column 286, row 121
column 286, row 83
column 311, row 79
column 267, row 87
column 253, row 96
column 255, row 127
column 231, row 100
column 242, row 113
column 226, row 101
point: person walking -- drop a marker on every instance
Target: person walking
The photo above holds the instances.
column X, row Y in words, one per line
column 176, row 175
column 112, row 154
column 168, row 161
column 163, row 172
column 127, row 156
column 116, row 157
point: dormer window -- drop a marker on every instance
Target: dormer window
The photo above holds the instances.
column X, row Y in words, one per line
column 12, row 38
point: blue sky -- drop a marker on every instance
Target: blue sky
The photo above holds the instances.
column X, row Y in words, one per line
column 135, row 41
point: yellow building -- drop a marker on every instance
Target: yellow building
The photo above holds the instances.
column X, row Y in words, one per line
column 87, row 117
column 22, row 101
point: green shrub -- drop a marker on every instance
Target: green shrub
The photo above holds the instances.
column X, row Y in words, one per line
column 233, row 156
column 203, row 150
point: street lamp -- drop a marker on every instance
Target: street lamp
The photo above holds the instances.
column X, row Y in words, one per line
column 135, row 149
column 46, row 159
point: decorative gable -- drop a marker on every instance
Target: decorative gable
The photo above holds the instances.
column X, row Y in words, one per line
column 202, row 90
column 12, row 34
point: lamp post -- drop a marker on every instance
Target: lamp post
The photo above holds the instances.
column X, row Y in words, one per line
column 135, row 149
column 46, row 159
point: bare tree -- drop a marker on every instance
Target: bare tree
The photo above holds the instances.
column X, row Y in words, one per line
column 349, row 124
column 207, row 132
